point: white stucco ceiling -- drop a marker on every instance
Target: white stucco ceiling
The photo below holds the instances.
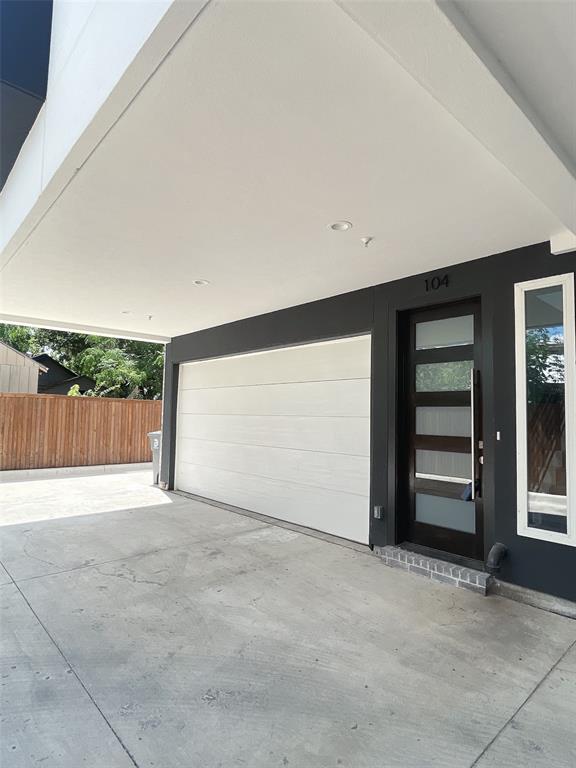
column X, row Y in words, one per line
column 535, row 44
column 268, row 122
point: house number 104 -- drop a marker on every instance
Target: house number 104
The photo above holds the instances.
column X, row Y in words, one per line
column 436, row 282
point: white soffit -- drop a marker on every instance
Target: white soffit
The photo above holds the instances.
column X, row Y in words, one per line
column 267, row 122
column 534, row 45
column 437, row 45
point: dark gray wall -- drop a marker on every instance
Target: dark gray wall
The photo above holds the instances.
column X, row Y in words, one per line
column 532, row 563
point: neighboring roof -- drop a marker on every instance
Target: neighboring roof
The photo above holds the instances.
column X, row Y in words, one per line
column 50, row 362
column 58, row 378
column 63, row 387
column 27, row 358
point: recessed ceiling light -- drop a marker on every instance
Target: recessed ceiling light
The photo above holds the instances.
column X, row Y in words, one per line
column 341, row 226
column 200, row 282
column 126, row 312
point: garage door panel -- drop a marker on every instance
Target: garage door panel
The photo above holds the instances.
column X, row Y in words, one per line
column 349, row 474
column 345, row 359
column 331, row 398
column 340, row 514
column 285, row 433
column 326, row 434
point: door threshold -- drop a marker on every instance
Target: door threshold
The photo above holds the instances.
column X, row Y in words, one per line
column 435, row 569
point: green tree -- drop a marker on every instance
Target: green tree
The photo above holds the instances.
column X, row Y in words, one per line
column 20, row 337
column 116, row 373
column 150, row 359
column 119, row 367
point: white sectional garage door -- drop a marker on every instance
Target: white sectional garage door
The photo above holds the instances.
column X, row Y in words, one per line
column 285, row 433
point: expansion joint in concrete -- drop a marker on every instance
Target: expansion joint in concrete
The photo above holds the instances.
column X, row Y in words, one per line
column 79, row 679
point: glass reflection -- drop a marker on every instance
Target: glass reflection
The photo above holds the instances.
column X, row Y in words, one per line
column 546, row 414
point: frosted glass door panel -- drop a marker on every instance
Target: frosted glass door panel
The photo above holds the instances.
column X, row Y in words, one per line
column 449, row 421
column 446, row 513
column 443, row 464
column 449, row 332
column 452, row 376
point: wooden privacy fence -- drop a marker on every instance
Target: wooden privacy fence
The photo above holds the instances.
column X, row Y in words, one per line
column 59, row 431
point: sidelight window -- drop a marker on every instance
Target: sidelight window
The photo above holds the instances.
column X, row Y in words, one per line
column 546, row 408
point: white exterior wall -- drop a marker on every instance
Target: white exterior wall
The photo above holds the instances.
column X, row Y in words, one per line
column 18, row 373
column 285, row 433
column 18, row 378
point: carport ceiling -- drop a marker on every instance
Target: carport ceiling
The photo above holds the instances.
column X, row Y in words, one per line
column 267, row 123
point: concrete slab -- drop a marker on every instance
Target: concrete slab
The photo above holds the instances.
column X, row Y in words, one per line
column 57, row 525
column 4, row 576
column 25, row 475
column 69, row 496
column 47, row 718
column 210, row 639
column 543, row 733
column 259, row 649
column 568, row 662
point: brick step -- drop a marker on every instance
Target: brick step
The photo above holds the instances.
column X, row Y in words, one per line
column 434, row 569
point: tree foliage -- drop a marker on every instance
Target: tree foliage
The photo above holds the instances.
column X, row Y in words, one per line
column 544, row 365
column 120, row 367
column 449, row 376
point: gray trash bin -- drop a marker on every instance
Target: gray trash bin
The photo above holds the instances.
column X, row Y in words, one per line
column 155, row 445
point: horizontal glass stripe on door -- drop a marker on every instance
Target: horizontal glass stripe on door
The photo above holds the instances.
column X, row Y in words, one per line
column 435, row 486
column 446, row 513
column 443, row 465
column 443, row 420
column 448, row 332
column 450, row 376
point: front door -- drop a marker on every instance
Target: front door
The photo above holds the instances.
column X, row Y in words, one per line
column 443, row 443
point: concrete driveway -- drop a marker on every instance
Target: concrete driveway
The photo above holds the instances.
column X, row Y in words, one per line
column 145, row 629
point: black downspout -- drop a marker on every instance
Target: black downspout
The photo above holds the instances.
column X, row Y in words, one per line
column 494, row 560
